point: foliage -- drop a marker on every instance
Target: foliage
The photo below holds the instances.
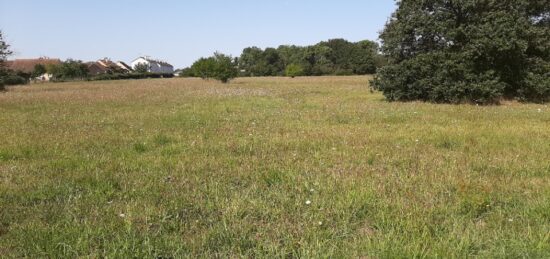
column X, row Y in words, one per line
column 68, row 70
column 467, row 51
column 4, row 53
column 187, row 72
column 294, row 70
column 336, row 56
column 15, row 79
column 39, row 69
column 125, row 76
column 220, row 67
column 141, row 68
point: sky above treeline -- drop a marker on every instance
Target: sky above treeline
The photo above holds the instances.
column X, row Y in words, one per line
column 180, row 32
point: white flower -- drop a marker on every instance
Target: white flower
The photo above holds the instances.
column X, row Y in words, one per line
column 320, row 223
column 308, row 202
column 122, row 215
column 511, row 220
column 312, row 190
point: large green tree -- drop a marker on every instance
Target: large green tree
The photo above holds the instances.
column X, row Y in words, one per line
column 220, row 67
column 456, row 51
column 4, row 53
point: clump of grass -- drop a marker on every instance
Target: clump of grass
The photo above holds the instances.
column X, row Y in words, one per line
column 162, row 140
column 140, row 147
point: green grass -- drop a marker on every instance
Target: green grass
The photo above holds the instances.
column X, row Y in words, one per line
column 189, row 168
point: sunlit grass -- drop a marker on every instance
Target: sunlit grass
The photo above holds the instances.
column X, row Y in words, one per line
column 267, row 167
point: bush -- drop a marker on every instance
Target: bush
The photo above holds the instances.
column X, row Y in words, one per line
column 142, row 68
column 129, row 76
column 14, row 79
column 187, row 72
column 294, row 70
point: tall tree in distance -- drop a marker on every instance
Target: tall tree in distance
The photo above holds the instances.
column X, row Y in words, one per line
column 467, row 51
column 4, row 53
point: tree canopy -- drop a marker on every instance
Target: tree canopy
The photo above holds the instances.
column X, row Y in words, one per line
column 4, row 53
column 220, row 67
column 453, row 51
column 332, row 57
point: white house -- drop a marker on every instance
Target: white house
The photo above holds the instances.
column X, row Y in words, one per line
column 155, row 66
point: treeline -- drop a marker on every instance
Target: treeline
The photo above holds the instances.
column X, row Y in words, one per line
column 332, row 57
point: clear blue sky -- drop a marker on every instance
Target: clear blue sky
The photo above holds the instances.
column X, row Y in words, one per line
column 181, row 31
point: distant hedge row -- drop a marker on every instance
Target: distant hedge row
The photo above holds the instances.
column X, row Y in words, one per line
column 129, row 76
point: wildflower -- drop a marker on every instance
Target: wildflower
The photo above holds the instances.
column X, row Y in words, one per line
column 122, row 215
column 308, row 202
column 510, row 220
column 320, row 223
column 312, row 190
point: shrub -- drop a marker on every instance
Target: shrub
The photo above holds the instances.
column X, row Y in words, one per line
column 187, row 72
column 130, row 76
column 142, row 68
column 294, row 70
column 14, row 79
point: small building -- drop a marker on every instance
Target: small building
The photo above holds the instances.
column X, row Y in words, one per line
column 95, row 68
column 27, row 66
column 155, row 66
column 106, row 66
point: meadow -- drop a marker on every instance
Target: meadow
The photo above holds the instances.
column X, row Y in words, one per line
column 269, row 168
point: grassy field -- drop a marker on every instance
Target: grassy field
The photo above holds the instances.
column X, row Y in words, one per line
column 271, row 167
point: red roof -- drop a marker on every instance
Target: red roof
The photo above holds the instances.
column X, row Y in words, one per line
column 27, row 65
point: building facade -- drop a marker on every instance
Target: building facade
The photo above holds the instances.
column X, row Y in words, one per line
column 155, row 66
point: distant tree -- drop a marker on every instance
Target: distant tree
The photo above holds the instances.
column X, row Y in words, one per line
column 68, row 70
column 365, row 58
column 294, row 70
column 39, row 70
column 220, row 67
column 141, row 68
column 249, row 61
column 291, row 55
column 333, row 57
column 467, row 51
column 318, row 60
column 4, row 53
column 187, row 72
column 204, row 68
column 53, row 69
